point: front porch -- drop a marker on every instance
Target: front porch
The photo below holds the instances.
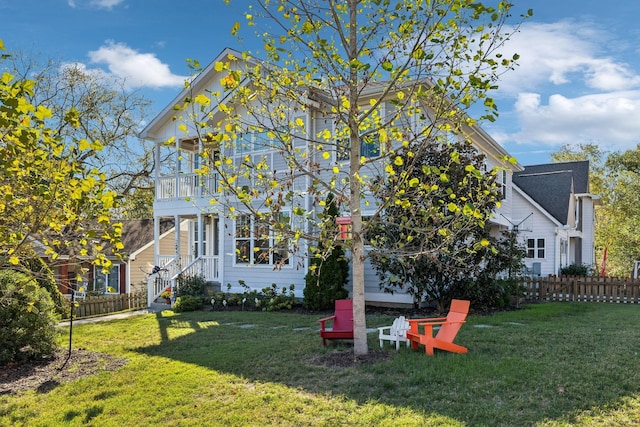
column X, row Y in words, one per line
column 190, row 249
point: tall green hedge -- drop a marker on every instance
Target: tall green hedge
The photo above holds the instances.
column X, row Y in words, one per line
column 325, row 281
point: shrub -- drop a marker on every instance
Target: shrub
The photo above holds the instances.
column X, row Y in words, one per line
column 191, row 285
column 577, row 270
column 268, row 299
column 187, row 303
column 45, row 277
column 327, row 276
column 27, row 319
column 275, row 301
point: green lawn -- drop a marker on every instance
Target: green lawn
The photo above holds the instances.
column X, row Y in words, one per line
column 547, row 364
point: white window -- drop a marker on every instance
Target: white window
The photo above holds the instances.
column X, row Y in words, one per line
column 535, row 248
column 256, row 243
column 108, row 283
column 369, row 148
column 253, row 141
column 503, row 183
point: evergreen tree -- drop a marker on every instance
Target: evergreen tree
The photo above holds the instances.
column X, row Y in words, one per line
column 328, row 270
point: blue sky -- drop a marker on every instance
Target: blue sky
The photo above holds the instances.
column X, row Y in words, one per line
column 578, row 80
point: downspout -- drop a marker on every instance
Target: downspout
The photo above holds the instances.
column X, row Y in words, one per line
column 312, row 131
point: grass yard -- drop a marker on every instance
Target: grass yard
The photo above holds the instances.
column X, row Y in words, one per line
column 552, row 364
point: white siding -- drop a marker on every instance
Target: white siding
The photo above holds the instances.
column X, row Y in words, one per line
column 537, row 226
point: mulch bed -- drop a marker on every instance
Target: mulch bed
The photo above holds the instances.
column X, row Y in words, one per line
column 346, row 358
column 45, row 374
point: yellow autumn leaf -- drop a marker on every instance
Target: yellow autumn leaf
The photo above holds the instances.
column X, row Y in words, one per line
column 202, row 99
column 235, row 28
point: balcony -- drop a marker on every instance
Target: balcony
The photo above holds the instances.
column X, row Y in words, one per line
column 186, row 185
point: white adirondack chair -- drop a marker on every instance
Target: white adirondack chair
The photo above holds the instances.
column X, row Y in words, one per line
column 396, row 333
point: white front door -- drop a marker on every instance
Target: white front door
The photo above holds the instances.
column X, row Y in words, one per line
column 210, row 245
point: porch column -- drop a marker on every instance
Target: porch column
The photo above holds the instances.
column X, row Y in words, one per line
column 156, row 240
column 200, row 242
column 178, row 251
column 178, row 168
column 221, row 247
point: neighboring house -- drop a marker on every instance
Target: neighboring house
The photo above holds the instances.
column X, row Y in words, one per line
column 555, row 215
column 227, row 251
column 127, row 275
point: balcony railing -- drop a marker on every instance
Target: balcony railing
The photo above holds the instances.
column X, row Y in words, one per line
column 185, row 185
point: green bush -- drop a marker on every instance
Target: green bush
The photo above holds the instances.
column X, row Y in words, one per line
column 191, row 286
column 268, row 299
column 187, row 303
column 45, row 277
column 27, row 319
column 327, row 276
column 275, row 301
column 493, row 293
column 577, row 270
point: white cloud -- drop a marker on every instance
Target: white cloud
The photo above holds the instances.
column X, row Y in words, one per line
column 564, row 53
column 609, row 119
column 98, row 4
column 573, row 85
column 137, row 69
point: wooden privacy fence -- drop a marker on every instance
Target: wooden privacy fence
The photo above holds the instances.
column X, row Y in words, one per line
column 579, row 288
column 105, row 304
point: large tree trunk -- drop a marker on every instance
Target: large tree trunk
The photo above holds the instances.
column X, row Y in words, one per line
column 355, row 188
column 357, row 270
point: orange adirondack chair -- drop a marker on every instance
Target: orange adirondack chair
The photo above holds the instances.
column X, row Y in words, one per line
column 421, row 331
column 341, row 322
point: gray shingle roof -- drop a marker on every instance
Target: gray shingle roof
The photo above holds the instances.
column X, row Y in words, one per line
column 550, row 185
column 138, row 232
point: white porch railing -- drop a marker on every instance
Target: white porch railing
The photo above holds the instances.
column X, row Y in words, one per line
column 206, row 266
column 158, row 282
column 168, row 263
column 185, row 185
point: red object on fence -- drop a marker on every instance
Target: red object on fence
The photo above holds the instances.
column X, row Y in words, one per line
column 603, row 272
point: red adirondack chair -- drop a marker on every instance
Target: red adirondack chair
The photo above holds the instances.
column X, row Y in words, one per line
column 422, row 329
column 341, row 322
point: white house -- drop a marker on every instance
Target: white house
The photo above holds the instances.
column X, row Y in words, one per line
column 555, row 215
column 225, row 249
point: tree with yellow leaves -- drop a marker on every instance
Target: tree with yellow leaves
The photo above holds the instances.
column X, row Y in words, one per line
column 340, row 89
column 51, row 204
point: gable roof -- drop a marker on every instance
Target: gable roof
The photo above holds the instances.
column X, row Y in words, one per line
column 196, row 85
column 137, row 233
column 551, row 185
